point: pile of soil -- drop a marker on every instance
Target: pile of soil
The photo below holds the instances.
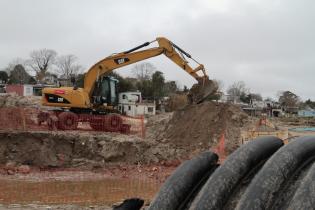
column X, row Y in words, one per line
column 14, row 100
column 199, row 127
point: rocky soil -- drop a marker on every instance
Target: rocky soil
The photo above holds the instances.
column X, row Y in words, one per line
column 13, row 100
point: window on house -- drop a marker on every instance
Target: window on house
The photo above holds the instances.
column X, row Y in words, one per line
column 150, row 109
column 129, row 108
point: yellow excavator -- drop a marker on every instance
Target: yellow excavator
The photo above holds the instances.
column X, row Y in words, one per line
column 99, row 95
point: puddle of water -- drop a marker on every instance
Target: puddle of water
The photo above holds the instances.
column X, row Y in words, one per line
column 302, row 129
column 105, row 192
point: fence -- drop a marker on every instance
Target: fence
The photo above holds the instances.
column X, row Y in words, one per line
column 32, row 119
column 98, row 192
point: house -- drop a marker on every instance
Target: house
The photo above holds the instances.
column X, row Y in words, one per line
column 229, row 99
column 51, row 79
column 131, row 104
column 21, row 90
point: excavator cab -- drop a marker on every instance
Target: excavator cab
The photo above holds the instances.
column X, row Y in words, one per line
column 105, row 91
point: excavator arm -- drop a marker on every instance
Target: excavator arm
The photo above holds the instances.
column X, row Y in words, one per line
column 165, row 47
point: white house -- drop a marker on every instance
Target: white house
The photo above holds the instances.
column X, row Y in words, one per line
column 131, row 104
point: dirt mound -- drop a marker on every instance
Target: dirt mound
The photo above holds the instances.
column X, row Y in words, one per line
column 73, row 149
column 201, row 126
column 13, row 100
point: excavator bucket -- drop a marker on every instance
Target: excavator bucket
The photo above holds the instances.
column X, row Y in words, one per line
column 202, row 90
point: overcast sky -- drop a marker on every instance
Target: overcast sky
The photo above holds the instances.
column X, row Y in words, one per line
column 269, row 44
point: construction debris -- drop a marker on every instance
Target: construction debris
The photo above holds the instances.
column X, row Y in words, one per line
column 14, row 100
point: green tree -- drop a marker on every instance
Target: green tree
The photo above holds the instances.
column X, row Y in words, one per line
column 245, row 98
column 20, row 76
column 185, row 90
column 256, row 96
column 158, row 83
column 289, row 99
column 171, row 87
column 80, row 80
column 310, row 103
column 13, row 63
column 3, row 77
column 124, row 84
column 145, row 87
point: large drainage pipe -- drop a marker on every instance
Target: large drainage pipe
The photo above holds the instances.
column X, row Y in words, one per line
column 182, row 182
column 304, row 197
column 262, row 191
column 217, row 190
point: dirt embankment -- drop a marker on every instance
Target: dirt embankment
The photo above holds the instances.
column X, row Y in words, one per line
column 64, row 149
column 200, row 127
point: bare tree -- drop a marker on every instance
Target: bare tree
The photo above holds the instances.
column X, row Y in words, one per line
column 40, row 62
column 67, row 65
column 237, row 89
column 143, row 71
column 220, row 84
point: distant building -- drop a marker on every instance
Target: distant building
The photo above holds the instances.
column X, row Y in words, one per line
column 21, row 90
column 306, row 113
column 229, row 99
column 291, row 109
column 131, row 104
column 51, row 79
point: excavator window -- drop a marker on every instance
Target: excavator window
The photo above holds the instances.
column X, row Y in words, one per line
column 113, row 91
column 105, row 91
